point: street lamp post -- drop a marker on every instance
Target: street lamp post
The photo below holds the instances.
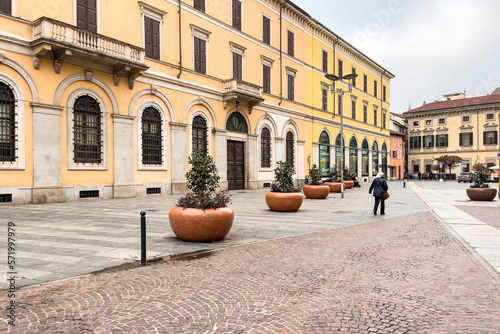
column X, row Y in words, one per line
column 340, row 91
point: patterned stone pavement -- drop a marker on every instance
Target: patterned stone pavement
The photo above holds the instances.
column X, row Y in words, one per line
column 404, row 274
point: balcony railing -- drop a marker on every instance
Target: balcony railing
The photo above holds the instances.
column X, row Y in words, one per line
column 48, row 30
column 242, row 87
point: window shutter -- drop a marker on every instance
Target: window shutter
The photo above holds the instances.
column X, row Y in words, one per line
column 495, row 138
column 471, row 138
column 266, row 28
column 460, row 139
column 237, row 14
column 325, row 61
column 86, row 16
column 432, row 141
column 200, row 5
column 446, row 140
column 290, row 44
column 6, row 7
column 152, row 38
column 484, row 137
column 237, row 66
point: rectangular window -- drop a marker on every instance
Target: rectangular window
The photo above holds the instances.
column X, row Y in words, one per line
column 429, row 141
column 442, row 121
column 365, row 83
column 87, row 135
column 353, row 71
column 465, row 139
column 152, row 38
column 341, row 68
column 324, row 95
column 237, row 66
column 200, row 5
column 428, row 122
column 290, row 43
column 375, row 88
column 266, row 79
column 291, row 87
column 394, row 154
column 353, row 109
column 384, row 93
column 266, row 30
column 375, row 116
column 365, row 113
column 490, row 138
column 86, row 15
column 490, row 116
column 465, row 119
column 325, row 61
column 442, row 140
column 415, row 123
column 384, row 120
column 415, row 142
column 6, row 7
column 237, row 14
column 200, row 54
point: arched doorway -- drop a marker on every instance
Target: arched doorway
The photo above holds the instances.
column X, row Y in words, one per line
column 236, row 152
column 324, row 153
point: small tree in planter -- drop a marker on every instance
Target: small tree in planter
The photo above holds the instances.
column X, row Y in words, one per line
column 202, row 214
column 479, row 190
column 284, row 196
column 315, row 189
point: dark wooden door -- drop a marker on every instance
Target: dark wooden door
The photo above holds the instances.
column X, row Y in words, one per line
column 235, row 165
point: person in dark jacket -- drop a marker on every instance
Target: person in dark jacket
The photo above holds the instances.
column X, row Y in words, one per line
column 377, row 186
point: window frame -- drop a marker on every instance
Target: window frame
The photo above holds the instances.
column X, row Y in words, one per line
column 290, row 145
column 354, row 101
column 192, row 133
column 199, row 5
column 19, row 113
column 415, row 142
column 375, row 115
column 11, row 5
column 365, row 83
column 443, row 121
column 237, row 52
column 266, row 62
column 72, row 165
column 340, row 67
column 266, row 40
column 201, row 35
column 290, row 42
column 494, row 134
column 365, row 112
column 324, row 97
column 266, row 149
column 237, row 14
column 428, row 139
column 291, row 74
column 353, row 71
column 141, row 165
column 462, row 137
column 443, row 137
column 384, row 93
column 324, row 57
column 375, row 88
column 466, row 119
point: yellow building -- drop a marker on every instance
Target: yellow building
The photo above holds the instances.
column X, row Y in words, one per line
column 108, row 98
column 465, row 127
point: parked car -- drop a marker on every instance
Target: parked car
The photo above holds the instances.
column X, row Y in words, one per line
column 465, row 177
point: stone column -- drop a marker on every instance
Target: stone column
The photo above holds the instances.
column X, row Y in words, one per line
column 123, row 154
column 179, row 157
column 252, row 162
column 301, row 162
column 47, row 154
column 220, row 157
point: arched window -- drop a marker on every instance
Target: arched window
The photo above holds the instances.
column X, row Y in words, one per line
column 384, row 159
column 353, row 156
column 324, row 153
column 237, row 123
column 375, row 159
column 338, row 154
column 199, row 135
column 290, row 147
column 87, row 130
column 265, row 147
column 8, row 123
column 152, row 139
column 365, row 158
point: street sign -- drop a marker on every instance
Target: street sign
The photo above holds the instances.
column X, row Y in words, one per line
column 440, row 165
column 498, row 155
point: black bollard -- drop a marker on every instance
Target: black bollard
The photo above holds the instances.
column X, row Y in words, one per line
column 143, row 238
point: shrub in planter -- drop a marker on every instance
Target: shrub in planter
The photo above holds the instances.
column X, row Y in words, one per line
column 202, row 214
column 479, row 190
column 315, row 189
column 284, row 196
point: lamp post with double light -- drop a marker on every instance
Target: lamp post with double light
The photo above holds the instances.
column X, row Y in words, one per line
column 340, row 92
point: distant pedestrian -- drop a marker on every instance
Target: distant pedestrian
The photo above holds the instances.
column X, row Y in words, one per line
column 378, row 185
column 419, row 176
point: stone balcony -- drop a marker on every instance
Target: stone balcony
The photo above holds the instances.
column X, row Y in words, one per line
column 242, row 93
column 68, row 44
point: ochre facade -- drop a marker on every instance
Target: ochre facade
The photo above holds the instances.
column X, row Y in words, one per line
column 108, row 98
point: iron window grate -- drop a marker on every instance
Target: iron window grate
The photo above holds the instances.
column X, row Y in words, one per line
column 151, row 137
column 5, row 198
column 8, row 124
column 156, row 190
column 89, row 193
column 87, row 130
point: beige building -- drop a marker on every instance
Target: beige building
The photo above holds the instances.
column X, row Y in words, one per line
column 465, row 127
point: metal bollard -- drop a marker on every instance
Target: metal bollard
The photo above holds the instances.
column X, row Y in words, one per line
column 143, row 238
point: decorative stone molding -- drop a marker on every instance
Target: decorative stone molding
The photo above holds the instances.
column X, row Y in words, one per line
column 116, row 80
column 89, row 75
column 36, row 62
column 57, row 66
column 131, row 82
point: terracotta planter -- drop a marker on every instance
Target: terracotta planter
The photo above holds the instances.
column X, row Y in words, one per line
column 285, row 202
column 481, row 194
column 348, row 184
column 334, row 186
column 198, row 225
column 319, row 192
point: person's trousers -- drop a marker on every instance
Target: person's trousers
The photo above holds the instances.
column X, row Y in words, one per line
column 381, row 201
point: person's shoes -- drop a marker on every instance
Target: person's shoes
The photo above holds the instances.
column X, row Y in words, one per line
column 382, row 213
column 375, row 213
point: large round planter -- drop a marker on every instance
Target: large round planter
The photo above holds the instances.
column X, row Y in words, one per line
column 316, row 191
column 334, row 186
column 285, row 202
column 348, row 184
column 200, row 225
column 481, row 194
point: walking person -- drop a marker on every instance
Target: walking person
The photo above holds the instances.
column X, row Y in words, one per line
column 378, row 186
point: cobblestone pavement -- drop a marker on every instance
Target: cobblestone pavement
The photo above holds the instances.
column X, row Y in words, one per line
column 405, row 274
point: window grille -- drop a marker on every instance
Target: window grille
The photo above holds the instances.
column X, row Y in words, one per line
column 8, row 124
column 89, row 193
column 87, row 130
column 237, row 123
column 265, row 148
column 199, row 135
column 152, row 138
column 150, row 191
column 5, row 198
column 290, row 145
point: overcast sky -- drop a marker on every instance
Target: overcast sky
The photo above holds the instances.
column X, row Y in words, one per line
column 433, row 47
